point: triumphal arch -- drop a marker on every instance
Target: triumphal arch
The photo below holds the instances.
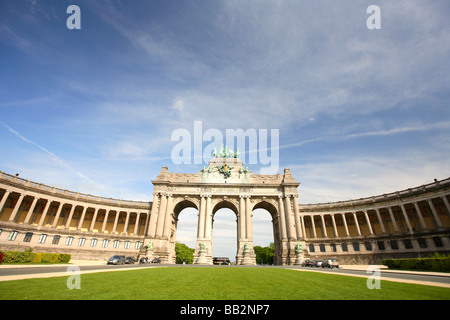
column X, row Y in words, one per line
column 225, row 183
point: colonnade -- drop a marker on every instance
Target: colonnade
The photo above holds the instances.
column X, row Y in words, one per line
column 46, row 212
column 31, row 212
column 411, row 217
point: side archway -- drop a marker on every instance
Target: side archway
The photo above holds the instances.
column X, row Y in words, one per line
column 270, row 208
column 188, row 209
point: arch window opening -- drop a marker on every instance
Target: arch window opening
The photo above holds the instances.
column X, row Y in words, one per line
column 224, row 234
column 186, row 227
column 263, row 239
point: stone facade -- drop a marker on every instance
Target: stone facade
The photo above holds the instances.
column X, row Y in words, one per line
column 409, row 223
column 210, row 190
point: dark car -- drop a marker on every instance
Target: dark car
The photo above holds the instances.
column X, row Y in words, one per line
column 306, row 263
column 156, row 260
column 117, row 259
column 130, row 260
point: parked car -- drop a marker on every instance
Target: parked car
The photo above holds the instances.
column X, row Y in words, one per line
column 156, row 260
column 143, row 260
column 117, row 259
column 130, row 260
column 306, row 263
column 330, row 263
column 316, row 263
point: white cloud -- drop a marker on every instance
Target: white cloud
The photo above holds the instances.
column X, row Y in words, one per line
column 345, row 179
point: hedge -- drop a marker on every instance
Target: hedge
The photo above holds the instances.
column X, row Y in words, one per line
column 34, row 257
column 432, row 264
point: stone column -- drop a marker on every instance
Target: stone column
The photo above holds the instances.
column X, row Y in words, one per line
column 248, row 219
column 151, row 230
column 366, row 215
column 69, row 219
column 333, row 221
column 136, row 224
column 380, row 221
column 391, row 214
column 146, row 222
column 324, row 227
column 201, row 218
column 91, row 227
column 116, row 220
column 298, row 226
column 419, row 214
column 241, row 219
column 208, row 218
column 31, row 210
column 125, row 227
column 302, row 221
column 282, row 218
column 16, row 208
column 435, row 214
column 2, row 203
column 44, row 213
column 405, row 215
column 161, row 216
column 58, row 213
column 83, row 214
column 168, row 217
column 344, row 221
column 105, row 221
column 289, row 221
column 356, row 223
column 447, row 205
column 313, row 226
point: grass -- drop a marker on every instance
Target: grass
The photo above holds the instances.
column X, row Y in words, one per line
column 181, row 283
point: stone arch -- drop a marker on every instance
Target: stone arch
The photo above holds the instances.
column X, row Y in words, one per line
column 177, row 209
column 225, row 203
column 272, row 209
column 183, row 204
column 218, row 204
column 269, row 206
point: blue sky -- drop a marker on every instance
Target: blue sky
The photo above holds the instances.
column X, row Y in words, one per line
column 360, row 112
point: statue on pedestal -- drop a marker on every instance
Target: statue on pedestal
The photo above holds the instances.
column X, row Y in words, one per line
column 298, row 253
column 201, row 254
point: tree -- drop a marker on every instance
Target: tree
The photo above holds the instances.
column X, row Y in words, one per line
column 182, row 251
column 264, row 254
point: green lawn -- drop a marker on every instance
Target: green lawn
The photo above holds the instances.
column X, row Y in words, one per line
column 215, row 283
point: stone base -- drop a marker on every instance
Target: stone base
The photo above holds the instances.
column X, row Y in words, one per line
column 298, row 258
column 202, row 257
column 247, row 260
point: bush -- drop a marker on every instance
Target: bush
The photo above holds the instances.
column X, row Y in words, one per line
column 432, row 264
column 64, row 258
column 46, row 257
column 37, row 257
column 34, row 257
